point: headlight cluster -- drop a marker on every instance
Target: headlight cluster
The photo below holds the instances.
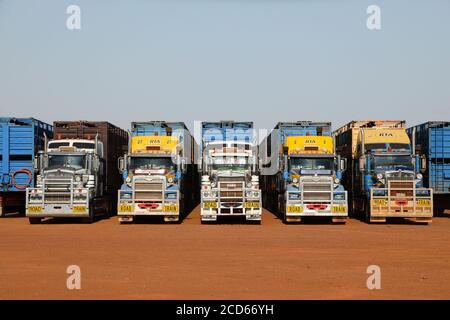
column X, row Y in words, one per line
column 251, row 194
column 35, row 195
column 419, row 176
column 339, row 196
column 171, row 195
column 294, row 196
column 379, row 176
column 125, row 196
column 209, row 194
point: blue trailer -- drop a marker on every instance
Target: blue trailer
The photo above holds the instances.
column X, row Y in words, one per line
column 433, row 142
column 20, row 140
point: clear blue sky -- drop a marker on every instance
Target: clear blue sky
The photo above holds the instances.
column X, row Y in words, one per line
column 265, row 61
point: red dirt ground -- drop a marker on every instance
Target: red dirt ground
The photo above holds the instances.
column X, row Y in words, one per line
column 224, row 261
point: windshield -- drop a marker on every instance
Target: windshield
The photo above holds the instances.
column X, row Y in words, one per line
column 230, row 163
column 69, row 161
column 147, row 163
column 392, row 163
column 312, row 164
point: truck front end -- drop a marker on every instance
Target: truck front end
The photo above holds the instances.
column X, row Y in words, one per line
column 396, row 188
column 230, row 185
column 312, row 176
column 65, row 184
column 152, row 175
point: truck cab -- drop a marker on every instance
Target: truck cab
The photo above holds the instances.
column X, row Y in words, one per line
column 229, row 172
column 155, row 172
column 69, row 175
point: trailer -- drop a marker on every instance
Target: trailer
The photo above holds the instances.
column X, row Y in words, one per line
column 159, row 174
column 77, row 172
column 433, row 142
column 20, row 140
column 229, row 171
column 301, row 172
column 385, row 172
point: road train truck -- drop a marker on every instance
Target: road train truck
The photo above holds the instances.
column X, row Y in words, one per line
column 77, row 174
column 433, row 142
column 20, row 141
column 229, row 171
column 159, row 174
column 301, row 172
column 384, row 171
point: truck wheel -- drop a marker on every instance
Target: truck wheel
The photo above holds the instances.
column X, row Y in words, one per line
column 34, row 220
column 90, row 219
column 367, row 211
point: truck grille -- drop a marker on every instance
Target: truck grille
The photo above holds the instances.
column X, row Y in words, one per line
column 57, row 190
column 149, row 190
column 321, row 190
column 231, row 190
column 406, row 188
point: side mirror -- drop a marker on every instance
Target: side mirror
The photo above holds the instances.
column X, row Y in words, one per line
column 121, row 164
column 183, row 165
column 423, row 163
column 362, row 163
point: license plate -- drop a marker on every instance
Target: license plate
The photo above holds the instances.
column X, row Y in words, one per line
column 251, row 205
column 34, row 209
column 79, row 209
column 339, row 209
column 294, row 209
column 379, row 202
column 423, row 202
column 125, row 208
column 209, row 205
column 170, row 208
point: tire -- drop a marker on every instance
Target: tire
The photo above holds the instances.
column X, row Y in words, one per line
column 367, row 211
column 34, row 220
column 90, row 219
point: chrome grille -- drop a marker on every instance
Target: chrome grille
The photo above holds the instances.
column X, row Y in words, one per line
column 231, row 190
column 320, row 190
column 57, row 190
column 149, row 190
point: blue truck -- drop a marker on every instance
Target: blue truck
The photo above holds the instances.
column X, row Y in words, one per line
column 433, row 141
column 301, row 172
column 229, row 171
column 20, row 141
column 159, row 175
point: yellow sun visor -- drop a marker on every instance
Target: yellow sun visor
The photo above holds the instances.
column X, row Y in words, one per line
column 309, row 145
column 154, row 144
column 384, row 135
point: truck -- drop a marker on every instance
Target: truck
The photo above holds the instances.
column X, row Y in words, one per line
column 301, row 172
column 159, row 173
column 77, row 175
column 433, row 143
column 229, row 171
column 20, row 141
column 385, row 176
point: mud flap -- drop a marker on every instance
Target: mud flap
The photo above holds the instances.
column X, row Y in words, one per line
column 339, row 220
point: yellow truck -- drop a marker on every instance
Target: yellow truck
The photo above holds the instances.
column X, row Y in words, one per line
column 385, row 177
column 158, row 174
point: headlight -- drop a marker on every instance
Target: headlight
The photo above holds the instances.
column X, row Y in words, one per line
column 336, row 180
column 213, row 184
column 249, row 184
column 295, row 180
column 419, row 176
column 207, row 194
column 128, row 180
column 339, row 196
column 126, row 195
column 170, row 179
column 77, row 178
column 379, row 176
